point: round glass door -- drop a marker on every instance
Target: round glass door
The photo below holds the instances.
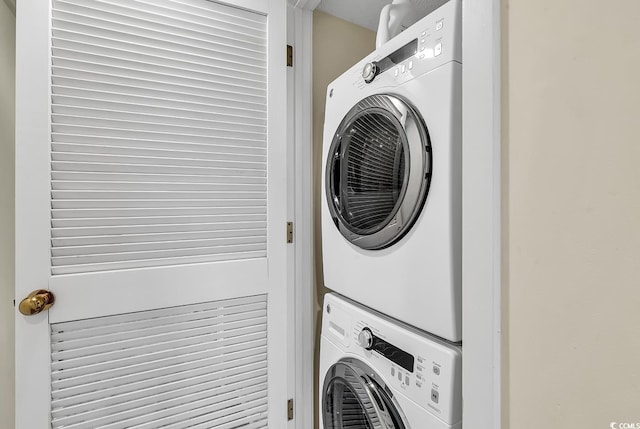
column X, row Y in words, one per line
column 355, row 398
column 378, row 171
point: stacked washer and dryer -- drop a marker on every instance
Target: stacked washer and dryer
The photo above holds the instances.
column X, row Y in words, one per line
column 391, row 231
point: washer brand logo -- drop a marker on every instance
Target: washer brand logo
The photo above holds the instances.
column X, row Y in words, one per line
column 614, row 425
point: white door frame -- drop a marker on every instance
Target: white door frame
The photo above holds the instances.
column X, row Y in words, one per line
column 300, row 31
column 481, row 214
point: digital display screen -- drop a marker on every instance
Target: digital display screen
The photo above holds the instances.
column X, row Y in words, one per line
column 394, row 354
column 407, row 51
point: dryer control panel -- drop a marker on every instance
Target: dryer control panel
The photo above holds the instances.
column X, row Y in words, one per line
column 422, row 367
column 430, row 43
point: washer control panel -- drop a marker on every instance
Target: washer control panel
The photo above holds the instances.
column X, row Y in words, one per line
column 424, row 368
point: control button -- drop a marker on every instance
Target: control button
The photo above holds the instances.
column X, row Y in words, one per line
column 370, row 71
column 410, row 65
column 435, row 396
column 393, row 372
column 436, row 370
column 406, row 380
column 424, row 33
column 399, row 376
column 419, row 367
column 395, row 72
column 404, row 68
column 420, row 360
column 421, row 56
column 422, row 49
column 418, row 383
column 422, row 41
column 438, row 49
column 419, row 376
column 365, row 339
column 439, row 24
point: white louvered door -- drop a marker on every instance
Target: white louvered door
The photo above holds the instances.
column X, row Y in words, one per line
column 151, row 200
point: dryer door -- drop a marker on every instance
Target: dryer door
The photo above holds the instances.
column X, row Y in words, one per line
column 378, row 171
column 354, row 397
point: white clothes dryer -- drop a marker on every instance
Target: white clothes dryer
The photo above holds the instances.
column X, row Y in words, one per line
column 391, row 212
column 377, row 373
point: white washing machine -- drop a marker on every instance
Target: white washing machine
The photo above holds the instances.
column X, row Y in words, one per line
column 377, row 373
column 391, row 211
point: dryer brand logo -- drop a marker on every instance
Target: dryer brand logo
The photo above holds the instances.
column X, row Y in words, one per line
column 615, row 425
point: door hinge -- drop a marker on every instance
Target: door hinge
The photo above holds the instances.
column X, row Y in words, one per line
column 290, row 409
column 289, row 56
column 289, row 232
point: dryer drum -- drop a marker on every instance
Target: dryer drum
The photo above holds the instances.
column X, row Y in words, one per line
column 354, row 397
column 378, row 171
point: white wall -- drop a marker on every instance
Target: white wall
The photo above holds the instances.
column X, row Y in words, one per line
column 7, row 116
column 572, row 227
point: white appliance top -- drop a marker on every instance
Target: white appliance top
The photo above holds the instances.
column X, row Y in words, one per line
column 423, row 368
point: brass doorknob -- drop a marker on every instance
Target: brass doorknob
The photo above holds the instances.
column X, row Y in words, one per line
column 37, row 301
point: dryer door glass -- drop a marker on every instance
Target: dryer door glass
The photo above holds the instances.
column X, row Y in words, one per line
column 378, row 171
column 354, row 398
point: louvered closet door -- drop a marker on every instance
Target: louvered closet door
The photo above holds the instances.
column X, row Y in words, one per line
column 151, row 201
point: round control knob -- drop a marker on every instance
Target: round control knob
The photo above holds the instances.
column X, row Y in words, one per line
column 369, row 72
column 365, row 339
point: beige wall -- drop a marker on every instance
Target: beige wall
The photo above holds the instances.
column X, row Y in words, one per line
column 337, row 45
column 7, row 115
column 572, row 195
